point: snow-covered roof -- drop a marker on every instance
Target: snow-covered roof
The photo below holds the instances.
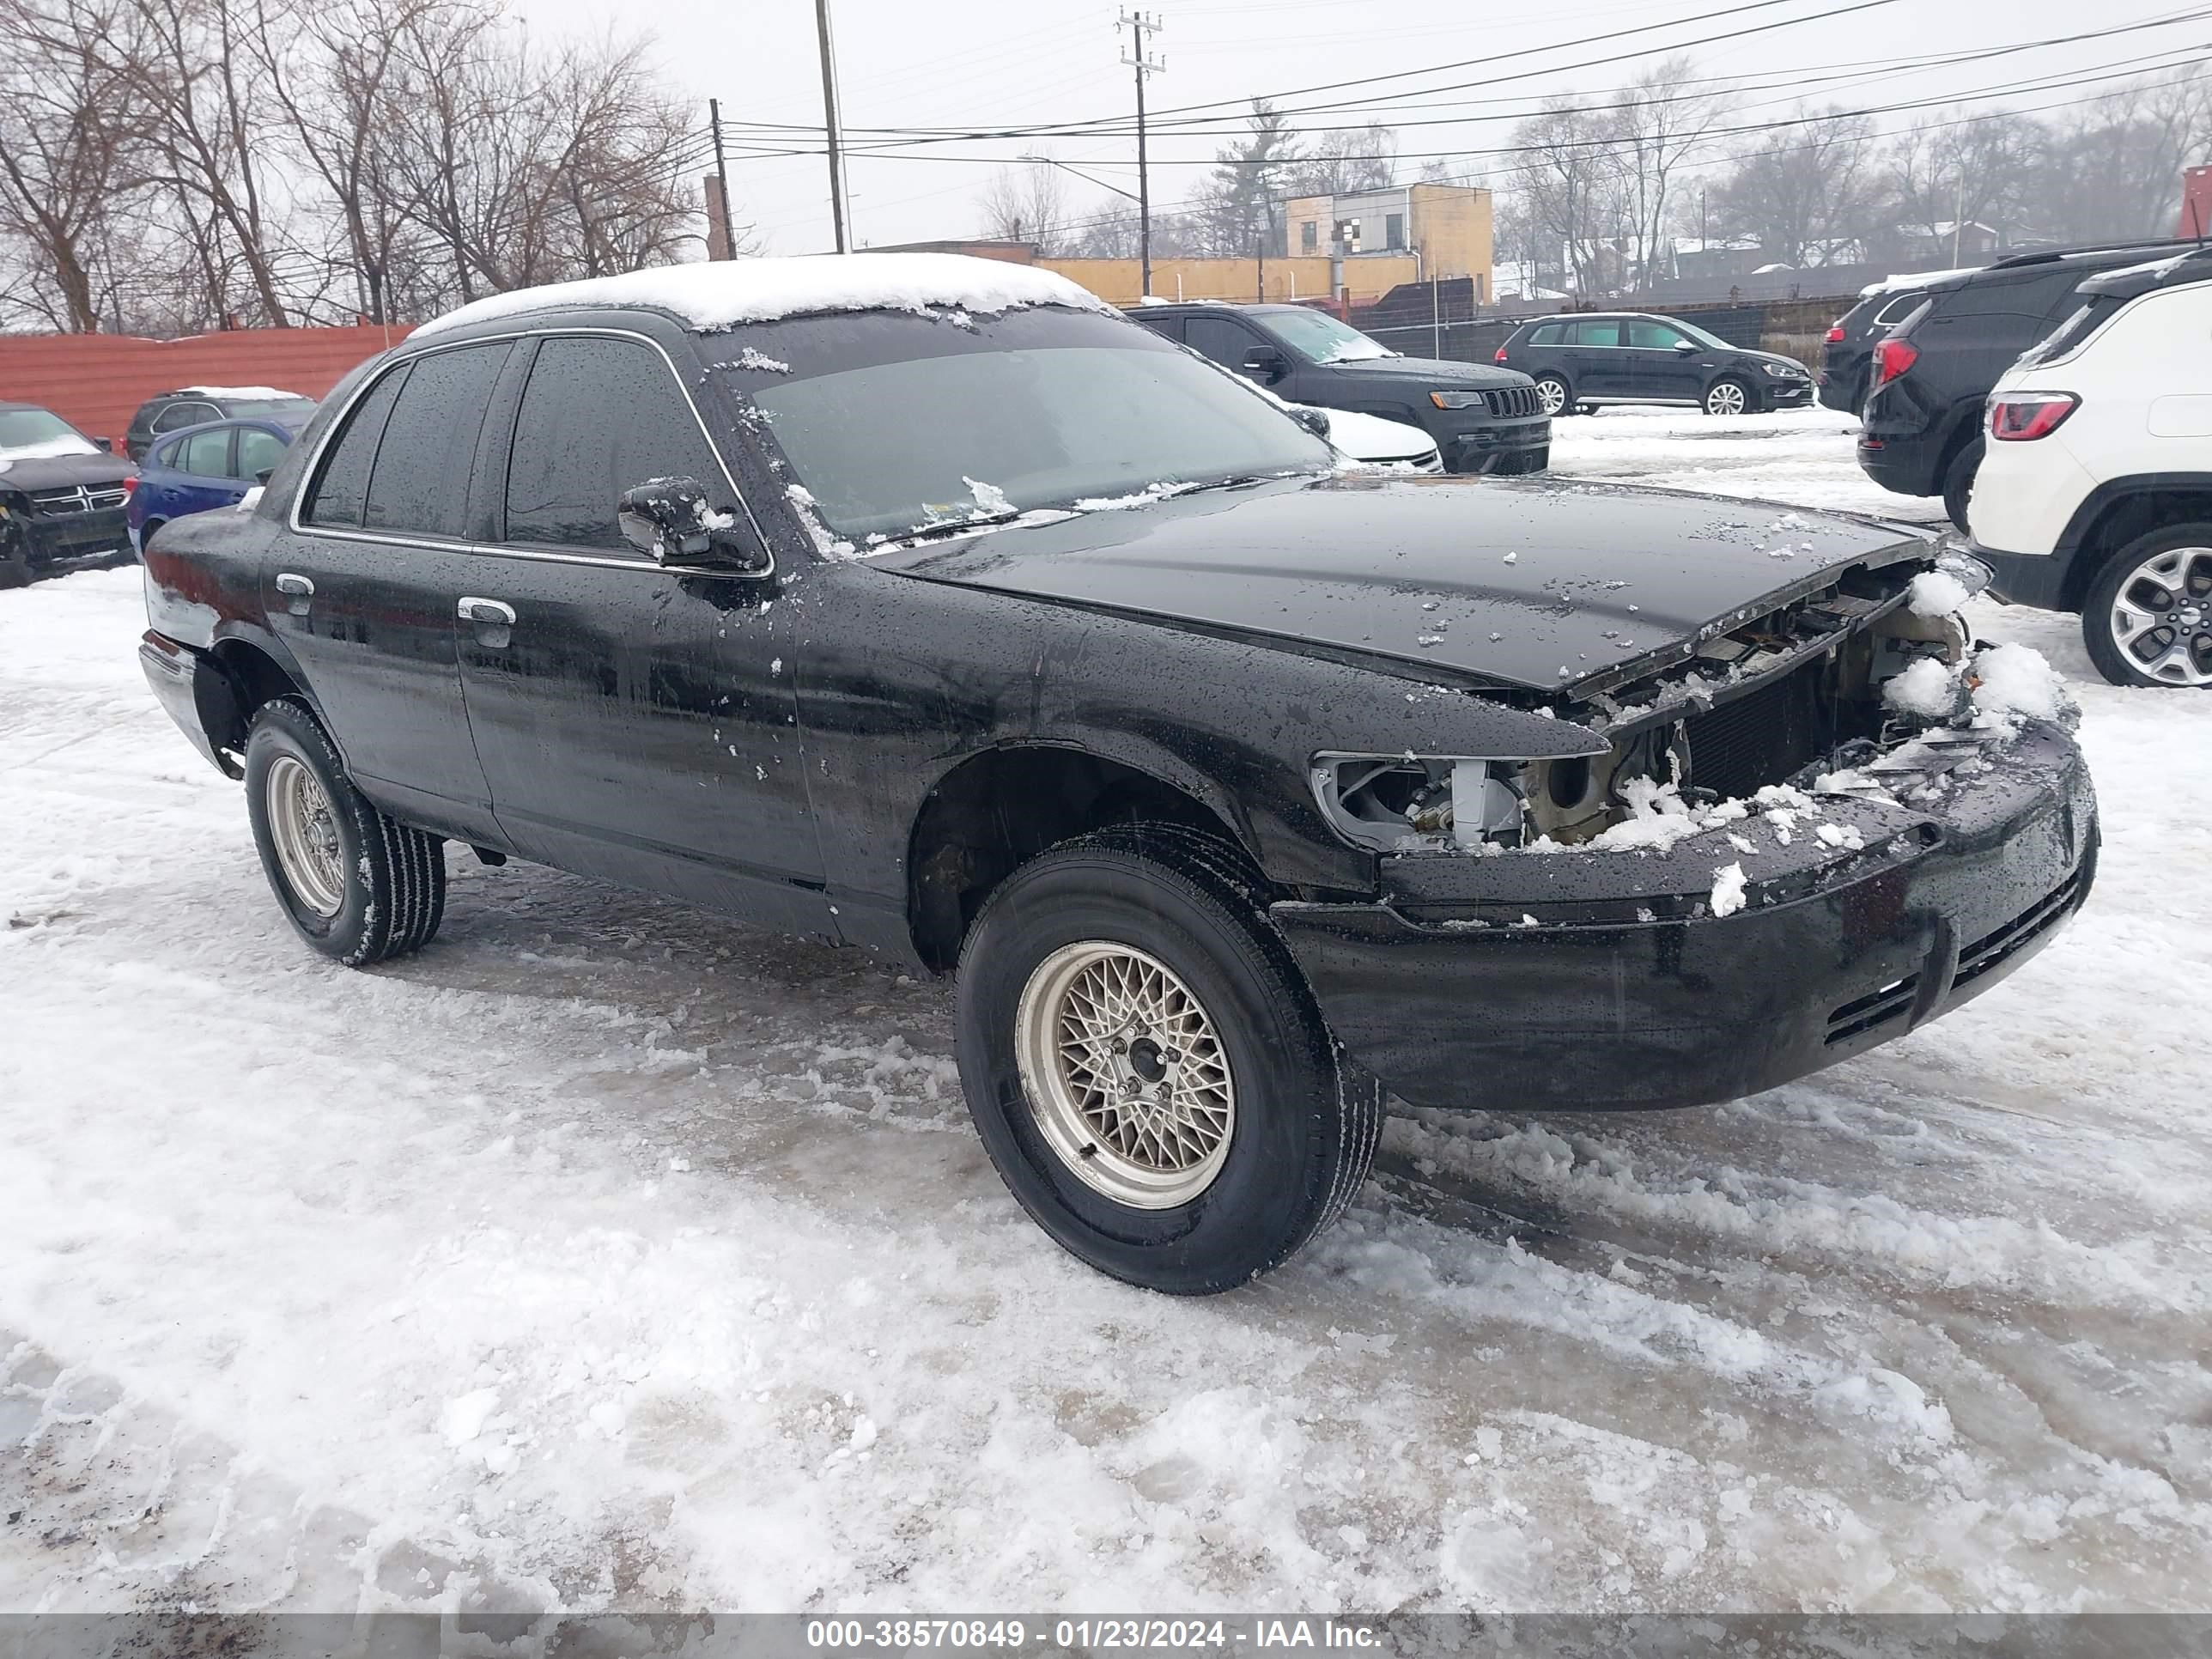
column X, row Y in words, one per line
column 241, row 393
column 1903, row 280
column 725, row 294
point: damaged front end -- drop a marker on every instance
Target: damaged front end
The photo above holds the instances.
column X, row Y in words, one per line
column 1803, row 832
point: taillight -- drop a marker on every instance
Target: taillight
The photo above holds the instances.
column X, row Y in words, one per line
column 2020, row 416
column 1892, row 358
column 1835, row 334
column 1501, row 356
column 130, row 486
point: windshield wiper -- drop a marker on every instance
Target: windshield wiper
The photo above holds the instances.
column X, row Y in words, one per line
column 956, row 527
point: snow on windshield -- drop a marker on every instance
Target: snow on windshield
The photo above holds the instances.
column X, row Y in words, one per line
column 36, row 435
column 725, row 294
column 1323, row 338
column 48, row 449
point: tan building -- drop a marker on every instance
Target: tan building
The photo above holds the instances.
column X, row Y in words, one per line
column 1117, row 280
column 1442, row 229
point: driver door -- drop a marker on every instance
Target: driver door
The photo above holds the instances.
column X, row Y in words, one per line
column 1658, row 366
column 634, row 722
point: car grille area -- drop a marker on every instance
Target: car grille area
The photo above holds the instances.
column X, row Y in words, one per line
column 1512, row 401
column 1762, row 738
column 78, row 498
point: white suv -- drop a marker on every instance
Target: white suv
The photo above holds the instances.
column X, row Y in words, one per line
column 2095, row 488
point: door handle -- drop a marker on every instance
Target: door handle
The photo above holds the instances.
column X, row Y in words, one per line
column 490, row 613
column 289, row 583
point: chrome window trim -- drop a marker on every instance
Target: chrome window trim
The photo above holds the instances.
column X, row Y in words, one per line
column 512, row 549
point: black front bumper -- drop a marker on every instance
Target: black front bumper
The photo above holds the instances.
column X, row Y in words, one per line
column 1787, row 394
column 66, row 539
column 1585, row 981
column 1486, row 447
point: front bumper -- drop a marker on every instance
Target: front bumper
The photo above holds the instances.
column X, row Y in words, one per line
column 67, row 539
column 1787, row 394
column 1482, row 449
column 1585, row 981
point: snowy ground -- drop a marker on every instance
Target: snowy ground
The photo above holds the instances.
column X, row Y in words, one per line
column 607, row 1254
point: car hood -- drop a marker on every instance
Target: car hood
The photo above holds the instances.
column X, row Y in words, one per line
column 1430, row 371
column 61, row 472
column 1540, row 586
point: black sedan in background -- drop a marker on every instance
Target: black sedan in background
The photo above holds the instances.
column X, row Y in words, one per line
column 1610, row 356
column 62, row 495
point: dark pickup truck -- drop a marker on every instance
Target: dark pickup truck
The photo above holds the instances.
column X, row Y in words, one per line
column 924, row 604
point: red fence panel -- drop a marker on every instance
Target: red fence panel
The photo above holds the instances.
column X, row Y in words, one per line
column 97, row 381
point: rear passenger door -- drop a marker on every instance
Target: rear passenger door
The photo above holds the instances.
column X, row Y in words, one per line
column 635, row 722
column 363, row 592
column 1596, row 365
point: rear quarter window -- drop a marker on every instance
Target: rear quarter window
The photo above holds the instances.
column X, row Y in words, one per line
column 1546, row 334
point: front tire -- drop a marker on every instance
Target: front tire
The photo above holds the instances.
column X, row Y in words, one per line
column 1553, row 392
column 1146, row 1067
column 2147, row 618
column 1729, row 397
column 358, row 886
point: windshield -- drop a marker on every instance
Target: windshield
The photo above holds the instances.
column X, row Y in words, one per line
column 894, row 424
column 29, row 433
column 1322, row 337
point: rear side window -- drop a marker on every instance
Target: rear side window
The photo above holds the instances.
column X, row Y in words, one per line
column 343, row 484
column 1548, row 334
column 598, row 417
column 1604, row 333
column 207, row 454
column 420, row 483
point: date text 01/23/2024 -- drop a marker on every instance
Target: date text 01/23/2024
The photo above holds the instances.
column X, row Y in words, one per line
column 844, row 1635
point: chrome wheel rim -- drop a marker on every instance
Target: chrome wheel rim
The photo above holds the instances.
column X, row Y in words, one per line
column 1126, row 1074
column 2161, row 617
column 304, row 833
column 1552, row 395
column 1726, row 399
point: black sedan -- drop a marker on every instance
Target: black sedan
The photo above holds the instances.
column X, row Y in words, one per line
column 926, row 605
column 61, row 496
column 1598, row 357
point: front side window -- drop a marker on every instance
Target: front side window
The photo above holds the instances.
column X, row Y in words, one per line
column 420, row 483
column 207, row 454
column 1226, row 343
column 1649, row 336
column 598, row 418
column 896, row 424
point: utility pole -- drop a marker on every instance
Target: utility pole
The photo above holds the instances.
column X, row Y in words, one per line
column 840, row 214
column 1137, row 23
column 722, row 181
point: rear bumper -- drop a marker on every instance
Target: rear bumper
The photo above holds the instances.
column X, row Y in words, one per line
column 194, row 692
column 1617, row 988
column 2030, row 579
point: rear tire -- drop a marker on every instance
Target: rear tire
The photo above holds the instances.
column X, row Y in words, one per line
column 1152, row 938
column 358, row 886
column 2169, row 573
column 1958, row 484
column 1554, row 394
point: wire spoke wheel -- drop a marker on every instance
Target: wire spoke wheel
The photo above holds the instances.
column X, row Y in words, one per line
column 2161, row 617
column 305, row 834
column 1725, row 398
column 1126, row 1073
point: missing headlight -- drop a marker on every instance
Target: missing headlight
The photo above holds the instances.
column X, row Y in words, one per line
column 1407, row 802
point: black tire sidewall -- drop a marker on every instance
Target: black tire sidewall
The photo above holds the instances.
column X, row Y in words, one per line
column 2097, row 605
column 1273, row 1187
column 285, row 728
column 1958, row 483
column 1750, row 394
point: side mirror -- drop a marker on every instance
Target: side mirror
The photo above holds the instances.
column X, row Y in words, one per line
column 1686, row 348
column 263, row 477
column 668, row 520
column 1264, row 364
column 1313, row 420
column 107, row 445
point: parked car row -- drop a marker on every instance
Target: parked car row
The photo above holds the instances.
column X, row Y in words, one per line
column 66, row 501
column 927, row 605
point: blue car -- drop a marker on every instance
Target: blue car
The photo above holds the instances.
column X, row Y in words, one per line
column 207, row 466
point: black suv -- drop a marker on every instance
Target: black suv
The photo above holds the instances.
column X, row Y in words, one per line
column 1484, row 420
column 62, row 495
column 195, row 405
column 1847, row 353
column 926, row 605
column 1921, row 431
column 1597, row 357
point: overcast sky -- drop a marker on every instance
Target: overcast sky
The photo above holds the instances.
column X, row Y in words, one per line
column 990, row 63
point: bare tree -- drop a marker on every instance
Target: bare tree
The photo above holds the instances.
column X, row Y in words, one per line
column 1027, row 201
column 1566, row 190
column 1946, row 171
column 2113, row 170
column 1344, row 161
column 66, row 117
column 1662, row 120
column 1807, row 195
